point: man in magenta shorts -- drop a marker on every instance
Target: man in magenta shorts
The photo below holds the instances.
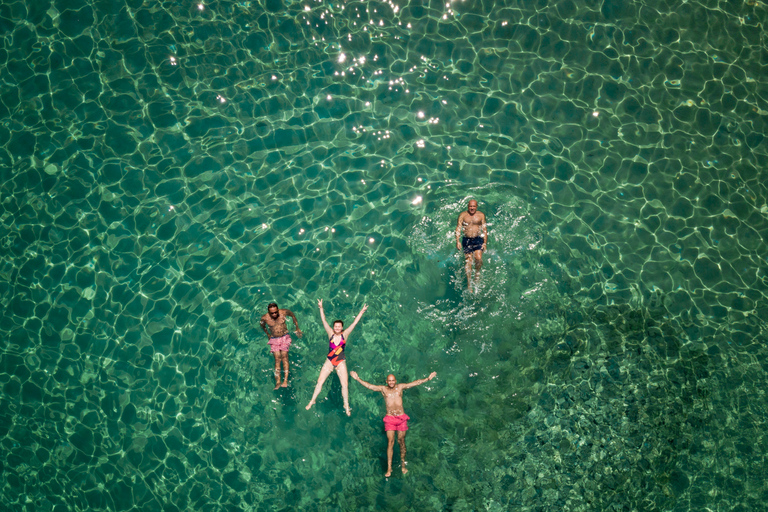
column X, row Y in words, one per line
column 396, row 420
column 276, row 329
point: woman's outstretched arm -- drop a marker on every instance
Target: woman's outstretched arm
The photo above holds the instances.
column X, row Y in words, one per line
column 348, row 330
column 322, row 317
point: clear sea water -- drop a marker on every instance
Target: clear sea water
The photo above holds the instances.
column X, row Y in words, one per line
column 169, row 168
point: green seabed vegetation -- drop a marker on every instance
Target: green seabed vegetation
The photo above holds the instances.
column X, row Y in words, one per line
column 168, row 170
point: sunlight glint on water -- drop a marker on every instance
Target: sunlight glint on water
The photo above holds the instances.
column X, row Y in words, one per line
column 171, row 168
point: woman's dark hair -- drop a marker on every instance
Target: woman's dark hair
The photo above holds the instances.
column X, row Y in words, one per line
column 338, row 322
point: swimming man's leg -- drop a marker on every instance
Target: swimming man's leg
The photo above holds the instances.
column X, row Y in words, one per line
column 468, row 267
column 276, row 353
column 401, row 442
column 390, row 450
column 284, row 357
column 476, row 265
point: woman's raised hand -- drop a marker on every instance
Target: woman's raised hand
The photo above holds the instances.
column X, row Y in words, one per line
column 320, row 303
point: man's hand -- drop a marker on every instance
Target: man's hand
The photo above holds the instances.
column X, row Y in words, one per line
column 353, row 374
column 432, row 375
column 299, row 333
column 458, row 245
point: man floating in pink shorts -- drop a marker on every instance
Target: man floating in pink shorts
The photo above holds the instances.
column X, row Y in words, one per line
column 396, row 420
column 279, row 339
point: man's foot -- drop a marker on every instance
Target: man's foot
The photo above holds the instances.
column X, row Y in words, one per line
column 348, row 410
column 388, row 473
column 277, row 386
column 405, row 469
column 310, row 404
column 284, row 384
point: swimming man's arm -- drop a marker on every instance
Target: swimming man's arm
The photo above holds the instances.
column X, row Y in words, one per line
column 458, row 231
column 370, row 386
column 289, row 313
column 419, row 382
column 485, row 233
column 263, row 324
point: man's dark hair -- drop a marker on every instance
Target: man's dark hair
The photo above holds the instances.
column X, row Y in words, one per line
column 272, row 305
column 338, row 321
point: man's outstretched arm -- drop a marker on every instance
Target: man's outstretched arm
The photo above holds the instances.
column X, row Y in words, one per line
column 419, row 382
column 289, row 313
column 370, row 386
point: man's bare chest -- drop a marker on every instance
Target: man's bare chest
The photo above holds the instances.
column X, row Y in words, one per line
column 276, row 322
column 392, row 395
column 472, row 220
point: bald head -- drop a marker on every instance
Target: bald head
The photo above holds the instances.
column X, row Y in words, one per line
column 391, row 381
column 472, row 207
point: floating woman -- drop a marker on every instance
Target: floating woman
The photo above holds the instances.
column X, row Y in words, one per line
column 336, row 357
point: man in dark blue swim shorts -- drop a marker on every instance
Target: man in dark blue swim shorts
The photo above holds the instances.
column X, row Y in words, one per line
column 470, row 245
column 472, row 239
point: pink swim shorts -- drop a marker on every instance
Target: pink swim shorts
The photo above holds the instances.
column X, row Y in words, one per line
column 396, row 422
column 281, row 344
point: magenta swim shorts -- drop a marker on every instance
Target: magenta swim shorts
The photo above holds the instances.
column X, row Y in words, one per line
column 399, row 423
column 281, row 344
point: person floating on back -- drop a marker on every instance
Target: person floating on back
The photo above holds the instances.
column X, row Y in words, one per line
column 474, row 241
column 276, row 329
column 336, row 359
column 396, row 420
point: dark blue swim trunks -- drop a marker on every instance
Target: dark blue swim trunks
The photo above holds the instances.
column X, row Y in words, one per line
column 471, row 245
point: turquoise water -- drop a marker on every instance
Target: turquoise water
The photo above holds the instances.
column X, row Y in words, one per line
column 169, row 168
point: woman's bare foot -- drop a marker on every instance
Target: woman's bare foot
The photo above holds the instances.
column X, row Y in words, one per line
column 348, row 410
column 284, row 384
column 277, row 386
column 405, row 469
column 388, row 473
column 310, row 404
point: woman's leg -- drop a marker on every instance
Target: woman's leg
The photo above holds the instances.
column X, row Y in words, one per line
column 341, row 371
column 325, row 371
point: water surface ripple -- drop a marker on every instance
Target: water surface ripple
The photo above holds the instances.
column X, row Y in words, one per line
column 169, row 168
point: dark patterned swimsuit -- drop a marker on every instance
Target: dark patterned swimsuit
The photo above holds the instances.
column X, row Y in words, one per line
column 336, row 352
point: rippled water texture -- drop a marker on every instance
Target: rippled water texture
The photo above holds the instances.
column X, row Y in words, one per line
column 169, row 168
